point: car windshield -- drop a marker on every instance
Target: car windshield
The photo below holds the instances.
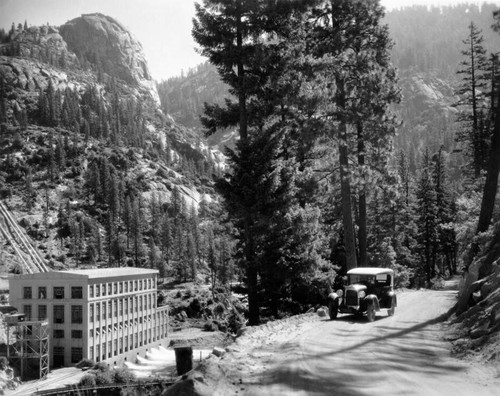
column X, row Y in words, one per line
column 379, row 280
column 357, row 278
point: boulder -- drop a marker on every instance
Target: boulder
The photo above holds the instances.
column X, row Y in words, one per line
column 109, row 45
column 218, row 351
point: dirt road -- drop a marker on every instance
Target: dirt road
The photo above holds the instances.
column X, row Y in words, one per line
column 400, row 355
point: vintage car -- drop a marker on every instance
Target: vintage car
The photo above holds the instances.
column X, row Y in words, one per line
column 368, row 290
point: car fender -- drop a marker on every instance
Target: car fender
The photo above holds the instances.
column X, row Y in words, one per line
column 333, row 297
column 372, row 299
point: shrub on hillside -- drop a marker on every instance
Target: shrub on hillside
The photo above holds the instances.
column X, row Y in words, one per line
column 103, row 378
column 85, row 363
column 87, row 380
column 210, row 326
column 123, row 375
column 235, row 321
column 101, row 366
column 195, row 307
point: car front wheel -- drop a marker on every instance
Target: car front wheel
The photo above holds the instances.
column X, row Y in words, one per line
column 370, row 313
column 333, row 309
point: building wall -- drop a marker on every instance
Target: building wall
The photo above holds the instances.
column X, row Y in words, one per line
column 101, row 318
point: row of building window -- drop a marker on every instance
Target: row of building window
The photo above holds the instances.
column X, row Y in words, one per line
column 121, row 287
column 59, row 333
column 123, row 344
column 57, row 292
column 58, row 313
column 102, row 330
column 120, row 306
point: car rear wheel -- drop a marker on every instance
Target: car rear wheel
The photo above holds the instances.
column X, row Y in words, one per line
column 333, row 309
column 392, row 309
column 370, row 313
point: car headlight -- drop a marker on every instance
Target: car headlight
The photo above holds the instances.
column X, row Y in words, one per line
column 362, row 294
column 340, row 292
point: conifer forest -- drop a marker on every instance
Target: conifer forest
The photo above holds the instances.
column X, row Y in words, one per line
column 318, row 137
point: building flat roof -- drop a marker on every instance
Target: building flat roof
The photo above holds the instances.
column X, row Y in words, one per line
column 111, row 272
column 369, row 271
column 89, row 273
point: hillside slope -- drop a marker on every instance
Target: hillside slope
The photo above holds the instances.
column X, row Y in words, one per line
column 84, row 147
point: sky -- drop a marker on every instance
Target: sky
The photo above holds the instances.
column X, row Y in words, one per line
column 163, row 27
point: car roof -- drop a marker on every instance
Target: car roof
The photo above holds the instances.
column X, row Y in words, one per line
column 370, row 271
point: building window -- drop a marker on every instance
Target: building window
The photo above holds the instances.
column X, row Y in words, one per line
column 76, row 314
column 115, row 346
column 59, row 292
column 91, row 313
column 42, row 312
column 149, row 283
column 121, row 307
column 91, row 333
column 97, row 290
column 42, row 292
column 91, row 353
column 58, row 333
column 136, row 304
column 115, row 287
column 98, row 311
column 103, row 310
column 126, row 287
column 109, row 349
column 76, row 334
column 121, row 287
column 109, row 288
column 76, row 354
column 110, row 309
column 76, row 292
column 91, row 291
column 59, row 351
column 103, row 289
column 98, row 353
column 27, row 292
column 58, row 313
column 27, row 311
column 121, row 345
column 103, row 351
column 135, row 285
column 115, row 308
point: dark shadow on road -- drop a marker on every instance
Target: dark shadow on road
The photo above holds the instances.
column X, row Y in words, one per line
column 395, row 349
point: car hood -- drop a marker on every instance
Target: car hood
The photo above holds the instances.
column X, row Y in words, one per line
column 357, row 287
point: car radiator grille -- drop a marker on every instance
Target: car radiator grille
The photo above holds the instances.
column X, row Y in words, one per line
column 351, row 297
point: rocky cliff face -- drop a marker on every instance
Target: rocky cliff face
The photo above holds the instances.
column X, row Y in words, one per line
column 104, row 42
column 78, row 101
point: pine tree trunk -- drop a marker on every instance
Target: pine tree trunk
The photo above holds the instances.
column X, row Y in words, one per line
column 491, row 183
column 362, row 202
column 345, row 189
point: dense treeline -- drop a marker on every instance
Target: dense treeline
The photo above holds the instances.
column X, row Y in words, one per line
column 81, row 168
column 425, row 40
column 429, row 39
column 311, row 188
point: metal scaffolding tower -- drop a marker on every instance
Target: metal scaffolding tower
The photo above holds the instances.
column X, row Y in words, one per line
column 28, row 346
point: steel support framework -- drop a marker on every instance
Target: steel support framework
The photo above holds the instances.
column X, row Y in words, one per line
column 30, row 348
